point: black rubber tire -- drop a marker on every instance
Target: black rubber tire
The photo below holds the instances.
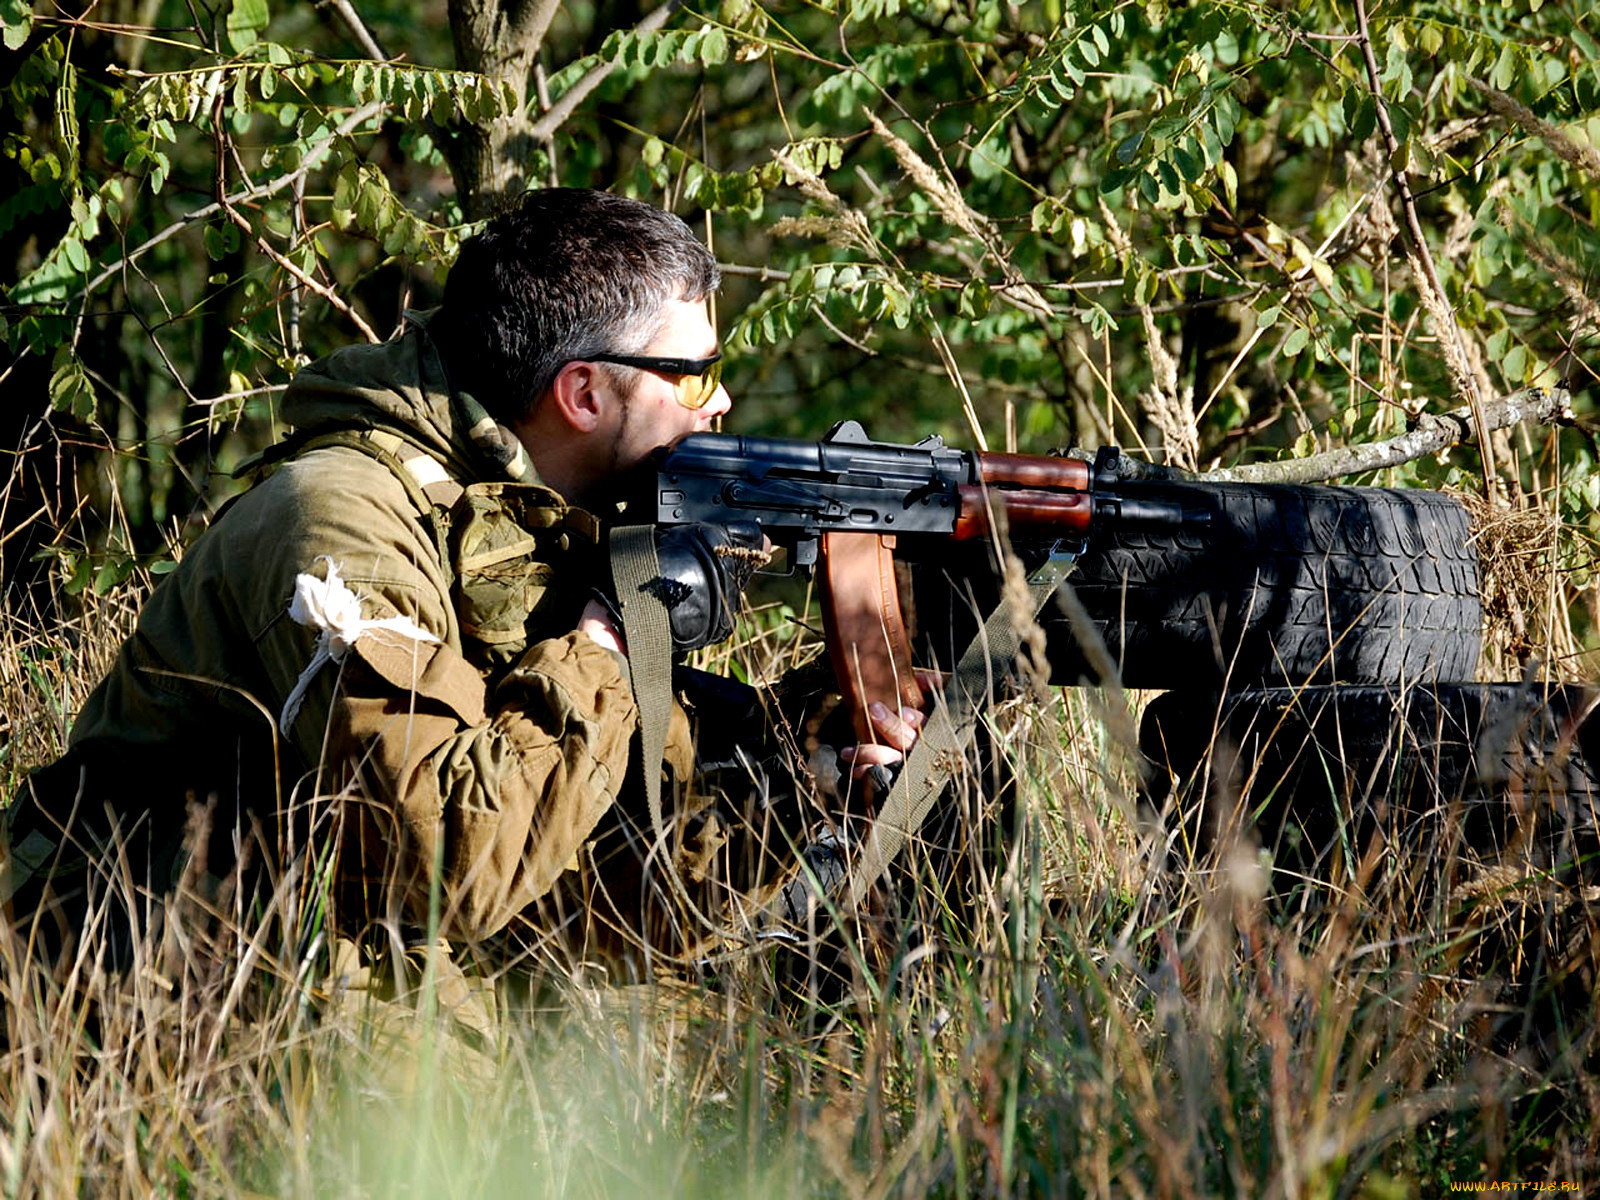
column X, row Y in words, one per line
column 1456, row 824
column 1319, row 766
column 1286, row 584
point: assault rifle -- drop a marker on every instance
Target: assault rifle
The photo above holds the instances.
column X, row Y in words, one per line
column 841, row 505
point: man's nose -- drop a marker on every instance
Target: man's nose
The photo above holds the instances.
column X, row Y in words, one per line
column 717, row 406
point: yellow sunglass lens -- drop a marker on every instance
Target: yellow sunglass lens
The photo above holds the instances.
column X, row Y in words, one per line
column 695, row 391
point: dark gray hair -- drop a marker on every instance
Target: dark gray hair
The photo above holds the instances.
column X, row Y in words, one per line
column 567, row 273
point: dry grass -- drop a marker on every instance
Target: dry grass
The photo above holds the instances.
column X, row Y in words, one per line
column 1089, row 1012
column 1524, row 610
column 48, row 666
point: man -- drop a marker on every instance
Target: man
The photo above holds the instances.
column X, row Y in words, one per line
column 399, row 643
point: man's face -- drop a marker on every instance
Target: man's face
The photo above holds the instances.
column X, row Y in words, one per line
column 651, row 416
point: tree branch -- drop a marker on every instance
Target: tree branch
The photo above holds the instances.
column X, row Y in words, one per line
column 1434, row 297
column 530, row 26
column 1432, row 434
column 545, row 127
column 305, row 280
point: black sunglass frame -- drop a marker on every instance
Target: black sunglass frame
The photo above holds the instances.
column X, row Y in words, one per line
column 669, row 366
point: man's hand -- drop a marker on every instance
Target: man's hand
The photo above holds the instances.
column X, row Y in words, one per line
column 601, row 628
column 897, row 732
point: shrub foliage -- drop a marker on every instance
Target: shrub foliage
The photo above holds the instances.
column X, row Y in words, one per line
column 1213, row 232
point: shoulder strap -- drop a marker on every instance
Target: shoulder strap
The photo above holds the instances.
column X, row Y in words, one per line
column 636, row 575
column 431, row 488
column 425, row 478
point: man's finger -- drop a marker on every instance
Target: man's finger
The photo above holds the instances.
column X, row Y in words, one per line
column 892, row 727
column 863, row 758
column 870, row 756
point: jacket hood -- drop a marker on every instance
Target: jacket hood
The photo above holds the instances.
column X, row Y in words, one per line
column 402, row 386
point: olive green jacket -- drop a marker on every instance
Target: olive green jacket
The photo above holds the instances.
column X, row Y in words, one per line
column 492, row 750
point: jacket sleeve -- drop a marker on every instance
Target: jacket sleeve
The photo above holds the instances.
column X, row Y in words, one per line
column 497, row 793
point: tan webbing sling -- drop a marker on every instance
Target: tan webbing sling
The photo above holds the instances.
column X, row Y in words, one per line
column 927, row 769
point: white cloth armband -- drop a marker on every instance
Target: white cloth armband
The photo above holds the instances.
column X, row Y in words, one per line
column 329, row 605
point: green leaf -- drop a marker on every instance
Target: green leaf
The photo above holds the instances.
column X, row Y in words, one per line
column 246, row 20
column 69, row 387
column 110, row 574
column 72, row 250
column 1396, row 68
column 1227, row 117
column 1230, row 183
column 1187, row 164
column 16, row 22
column 992, row 156
column 975, row 300
column 1169, row 178
column 1296, row 341
column 1505, row 69
column 1515, row 364
column 714, row 49
column 80, row 577
column 1365, row 119
column 1114, row 179
column 1144, row 286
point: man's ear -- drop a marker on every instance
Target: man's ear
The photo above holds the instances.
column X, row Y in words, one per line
column 579, row 394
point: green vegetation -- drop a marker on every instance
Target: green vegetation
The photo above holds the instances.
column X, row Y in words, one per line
column 1214, row 233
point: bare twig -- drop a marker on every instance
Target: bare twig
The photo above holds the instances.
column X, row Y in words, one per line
column 541, row 90
column 297, row 216
column 359, row 30
column 1434, row 297
column 327, row 293
column 265, row 390
column 532, row 21
column 759, row 274
column 311, row 162
column 1432, row 433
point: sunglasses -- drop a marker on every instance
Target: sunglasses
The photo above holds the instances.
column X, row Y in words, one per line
column 698, row 378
